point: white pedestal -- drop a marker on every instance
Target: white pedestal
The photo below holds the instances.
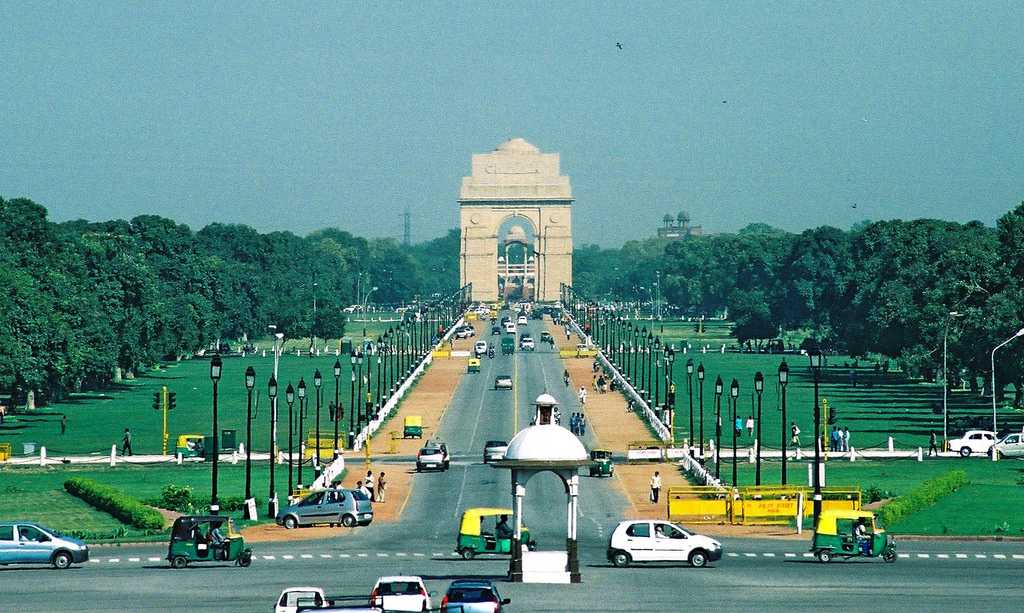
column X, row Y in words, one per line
column 545, row 567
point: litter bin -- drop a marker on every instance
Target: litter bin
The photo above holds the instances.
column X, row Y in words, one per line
column 346, row 346
column 228, row 440
column 28, row 448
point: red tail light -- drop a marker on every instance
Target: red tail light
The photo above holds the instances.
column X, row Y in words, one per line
column 373, row 596
column 444, row 603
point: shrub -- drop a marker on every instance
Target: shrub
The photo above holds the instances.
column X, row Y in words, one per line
column 175, row 498
column 922, row 496
column 122, row 506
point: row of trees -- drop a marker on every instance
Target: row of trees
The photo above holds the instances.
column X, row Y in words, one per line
column 84, row 302
column 880, row 288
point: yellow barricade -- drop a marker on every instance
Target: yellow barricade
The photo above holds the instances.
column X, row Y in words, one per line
column 699, row 505
column 471, row 317
column 577, row 353
column 753, row 506
column 440, row 353
column 326, row 447
column 5, row 452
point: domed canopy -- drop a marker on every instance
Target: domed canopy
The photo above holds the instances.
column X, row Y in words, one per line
column 517, row 145
column 546, row 443
column 516, row 234
column 545, row 399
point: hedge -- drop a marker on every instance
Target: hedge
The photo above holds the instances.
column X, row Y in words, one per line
column 122, row 506
column 922, row 496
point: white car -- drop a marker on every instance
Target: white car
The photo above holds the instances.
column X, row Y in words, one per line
column 510, row 328
column 521, row 321
column 1012, row 446
column 465, row 332
column 643, row 540
column 400, row 593
column 292, row 598
column 526, row 343
column 503, row 382
column 494, row 451
column 480, row 348
column 973, row 441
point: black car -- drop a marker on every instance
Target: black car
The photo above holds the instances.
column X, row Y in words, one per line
column 495, row 330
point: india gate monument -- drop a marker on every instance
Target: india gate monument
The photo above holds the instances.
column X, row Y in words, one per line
column 516, row 220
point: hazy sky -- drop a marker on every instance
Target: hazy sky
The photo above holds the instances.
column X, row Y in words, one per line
column 299, row 116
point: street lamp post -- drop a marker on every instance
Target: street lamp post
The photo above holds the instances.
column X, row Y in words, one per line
column 272, row 495
column 359, row 385
column 734, row 393
column 338, row 410
column 301, row 430
column 318, row 381
column 1000, row 345
column 945, row 379
column 815, row 357
column 700, row 397
column 215, row 371
column 250, row 383
column 783, row 381
column 689, row 392
column 352, row 400
column 718, row 427
column 759, row 389
column 289, row 398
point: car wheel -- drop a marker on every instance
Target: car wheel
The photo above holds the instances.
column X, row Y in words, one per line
column 348, row 521
column 245, row 559
column 889, row 555
column 965, row 451
column 698, row 558
column 824, row 556
column 621, row 559
column 179, row 562
column 467, row 553
column 61, row 560
column 290, row 523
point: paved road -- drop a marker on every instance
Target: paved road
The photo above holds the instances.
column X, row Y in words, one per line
column 754, row 575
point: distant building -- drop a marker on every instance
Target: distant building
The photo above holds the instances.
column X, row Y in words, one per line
column 678, row 227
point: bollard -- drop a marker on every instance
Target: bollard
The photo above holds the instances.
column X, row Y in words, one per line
column 799, row 454
column 750, row 455
column 234, row 457
column 853, row 454
column 810, row 475
column 42, row 456
column 799, row 512
column 995, row 454
column 821, row 474
column 920, row 454
column 280, row 457
column 890, row 445
column 113, row 454
column 264, row 353
column 241, row 448
column 177, row 458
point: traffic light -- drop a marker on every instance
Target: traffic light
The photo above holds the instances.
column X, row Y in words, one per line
column 156, row 401
column 171, row 402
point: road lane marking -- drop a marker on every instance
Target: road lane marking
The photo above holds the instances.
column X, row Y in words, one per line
column 961, row 555
column 438, row 554
column 288, row 557
column 344, row 555
column 980, row 556
column 942, row 555
column 420, row 555
column 789, row 555
column 750, row 555
column 733, row 555
column 999, row 556
column 768, row 555
column 153, row 559
column 97, row 560
column 363, row 555
column 401, row 555
column 269, row 558
column 923, row 555
column 306, row 556
column 808, row 555
column 382, row 555
column 114, row 560
column 904, row 555
column 1018, row 556
column 134, row 560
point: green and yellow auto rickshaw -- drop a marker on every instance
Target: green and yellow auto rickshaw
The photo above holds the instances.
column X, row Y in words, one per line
column 413, row 427
column 601, row 464
column 206, row 538
column 473, row 365
column 191, row 446
column 851, row 534
column 488, row 530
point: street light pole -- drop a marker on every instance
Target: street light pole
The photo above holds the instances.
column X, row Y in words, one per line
column 945, row 379
column 215, row 371
column 689, row 392
column 272, row 495
column 718, row 427
column 700, row 397
column 1000, row 345
column 250, row 383
column 758, row 388
column 301, row 431
column 734, row 393
column 338, row 410
column 352, row 400
column 815, row 357
column 289, row 398
column 783, row 381
column 318, row 381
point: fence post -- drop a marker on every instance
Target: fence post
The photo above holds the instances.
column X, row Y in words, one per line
column 920, row 455
column 42, row 456
column 113, row 454
column 799, row 454
column 178, row 458
column 810, row 475
column 800, row 512
column 890, row 445
column 853, row 454
column 821, row 474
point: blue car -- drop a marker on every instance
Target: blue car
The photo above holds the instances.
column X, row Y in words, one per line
column 25, row 542
column 472, row 596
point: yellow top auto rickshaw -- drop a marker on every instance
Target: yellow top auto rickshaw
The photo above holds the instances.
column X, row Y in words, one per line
column 413, row 427
column 851, row 534
column 474, row 538
column 191, row 446
column 473, row 365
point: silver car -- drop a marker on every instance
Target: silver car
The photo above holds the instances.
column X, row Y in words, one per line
column 23, row 542
column 494, row 451
column 334, row 506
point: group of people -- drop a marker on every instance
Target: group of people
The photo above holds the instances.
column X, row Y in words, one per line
column 578, row 424
column 839, row 439
column 371, row 488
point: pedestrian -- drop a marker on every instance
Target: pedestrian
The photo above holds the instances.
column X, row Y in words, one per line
column 629, row 405
column 126, row 442
column 795, row 434
column 382, row 486
column 3, row 412
column 362, row 488
column 833, row 439
column 739, row 426
column 368, row 484
column 63, row 424
column 750, row 425
column 846, row 439
column 655, row 487
column 565, row 377
column 932, row 440
column 582, row 425
column 572, row 423
column 582, row 394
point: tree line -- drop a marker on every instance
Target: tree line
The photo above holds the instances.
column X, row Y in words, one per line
column 85, row 301
column 885, row 288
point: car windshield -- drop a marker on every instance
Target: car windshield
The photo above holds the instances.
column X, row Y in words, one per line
column 294, row 599
column 429, row 451
column 399, row 588
column 495, row 444
column 470, row 594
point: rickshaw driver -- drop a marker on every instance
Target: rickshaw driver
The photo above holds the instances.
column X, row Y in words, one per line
column 502, row 530
column 863, row 536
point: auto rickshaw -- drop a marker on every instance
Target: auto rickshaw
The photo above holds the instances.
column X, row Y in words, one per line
column 601, row 463
column 191, row 446
column 837, row 536
column 473, row 365
column 474, row 539
column 199, row 538
column 413, row 427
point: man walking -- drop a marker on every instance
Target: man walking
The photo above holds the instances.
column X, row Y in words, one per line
column 582, row 395
column 739, row 426
column 750, row 426
column 63, row 424
column 381, row 487
column 795, row 432
column 932, row 440
column 368, row 484
column 846, row 439
column 655, row 487
column 126, row 442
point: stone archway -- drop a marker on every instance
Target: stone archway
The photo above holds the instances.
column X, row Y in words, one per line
column 516, row 180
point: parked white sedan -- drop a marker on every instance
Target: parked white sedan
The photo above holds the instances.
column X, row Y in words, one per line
column 973, row 441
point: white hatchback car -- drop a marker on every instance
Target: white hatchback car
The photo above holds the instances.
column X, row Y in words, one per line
column 1012, row 446
column 660, row 541
column 480, row 348
column 400, row 593
column 522, row 321
column 973, row 441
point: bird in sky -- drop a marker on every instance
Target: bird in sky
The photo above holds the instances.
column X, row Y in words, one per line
column 619, row 45
column 853, row 206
